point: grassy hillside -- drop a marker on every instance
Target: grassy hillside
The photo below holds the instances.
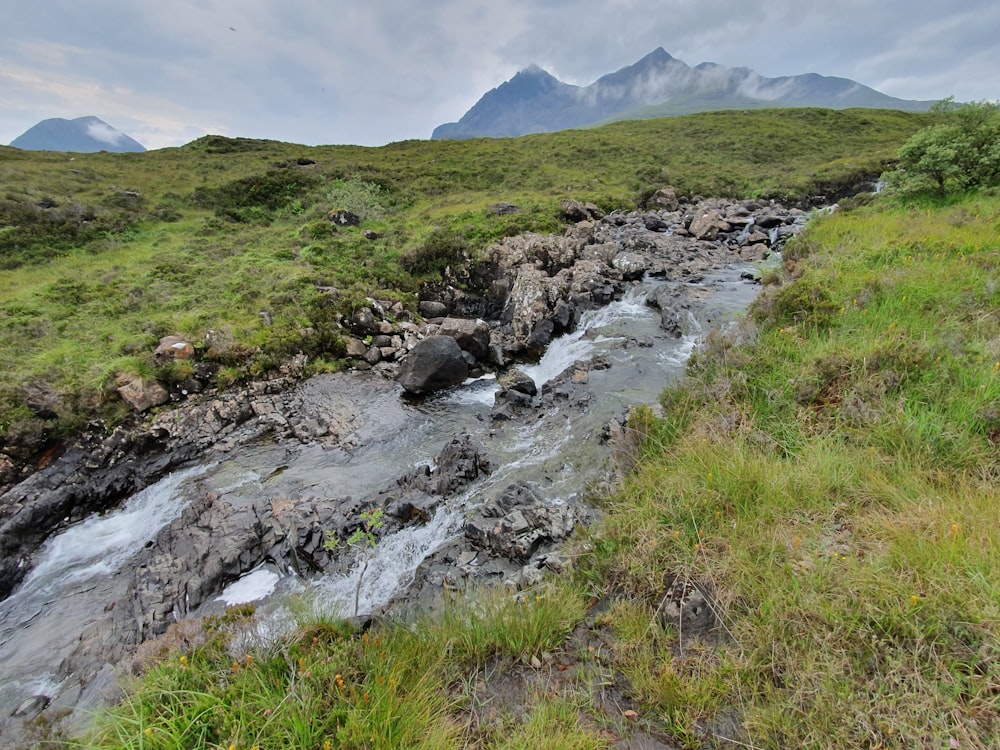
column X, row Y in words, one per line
column 826, row 476
column 103, row 254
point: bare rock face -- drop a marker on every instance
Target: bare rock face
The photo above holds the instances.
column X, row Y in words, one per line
column 435, row 363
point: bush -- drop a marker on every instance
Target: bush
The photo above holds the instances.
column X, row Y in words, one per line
column 962, row 153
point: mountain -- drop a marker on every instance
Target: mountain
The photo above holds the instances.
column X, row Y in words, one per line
column 82, row 135
column 658, row 85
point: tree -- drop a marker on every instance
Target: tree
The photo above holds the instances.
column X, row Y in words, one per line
column 962, row 152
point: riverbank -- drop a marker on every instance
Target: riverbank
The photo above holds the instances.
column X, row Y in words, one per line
column 804, row 554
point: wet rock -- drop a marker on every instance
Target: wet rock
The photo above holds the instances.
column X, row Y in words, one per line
column 31, row 707
column 434, row 364
column 519, row 382
column 518, row 523
column 674, row 301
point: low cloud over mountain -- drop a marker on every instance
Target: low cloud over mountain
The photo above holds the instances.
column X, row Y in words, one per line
column 533, row 101
column 82, row 135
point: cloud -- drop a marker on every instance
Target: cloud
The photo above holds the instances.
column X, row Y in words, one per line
column 104, row 133
column 372, row 71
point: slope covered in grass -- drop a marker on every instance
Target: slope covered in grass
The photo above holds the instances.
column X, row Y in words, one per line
column 103, row 254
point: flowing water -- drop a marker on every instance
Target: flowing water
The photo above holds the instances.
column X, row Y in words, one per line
column 557, row 452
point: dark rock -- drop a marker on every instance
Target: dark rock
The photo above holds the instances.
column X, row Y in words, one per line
column 519, row 381
column 503, row 208
column 769, row 222
column 654, row 223
column 364, row 322
column 432, row 309
column 343, row 218
column 434, row 364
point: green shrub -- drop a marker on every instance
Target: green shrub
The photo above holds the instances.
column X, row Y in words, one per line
column 961, row 153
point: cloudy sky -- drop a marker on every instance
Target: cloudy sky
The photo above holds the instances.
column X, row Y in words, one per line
column 373, row 71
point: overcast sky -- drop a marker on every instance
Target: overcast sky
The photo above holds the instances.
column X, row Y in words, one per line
column 373, row 71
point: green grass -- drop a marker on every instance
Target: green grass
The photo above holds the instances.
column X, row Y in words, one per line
column 834, row 481
column 102, row 254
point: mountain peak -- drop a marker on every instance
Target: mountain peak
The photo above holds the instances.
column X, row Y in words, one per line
column 658, row 85
column 85, row 134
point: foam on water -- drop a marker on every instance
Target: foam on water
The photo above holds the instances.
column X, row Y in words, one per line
column 251, row 587
column 390, row 566
column 100, row 545
column 581, row 343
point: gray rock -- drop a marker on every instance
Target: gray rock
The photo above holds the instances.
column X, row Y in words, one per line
column 472, row 335
column 434, row 364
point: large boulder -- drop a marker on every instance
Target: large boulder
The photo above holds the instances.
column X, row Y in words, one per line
column 435, row 363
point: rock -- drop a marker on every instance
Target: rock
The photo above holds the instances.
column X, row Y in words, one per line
column 518, row 523
column 654, row 223
column 173, row 348
column 503, row 208
column 432, row 309
column 434, row 364
column 520, row 382
column 576, row 211
column 769, row 221
column 355, row 348
column 31, row 707
column 139, row 393
column 631, row 265
column 666, row 198
column 472, row 335
column 368, row 234
column 364, row 322
column 343, row 218
column 706, row 225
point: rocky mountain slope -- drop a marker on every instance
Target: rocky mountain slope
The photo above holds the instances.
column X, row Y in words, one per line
column 658, row 85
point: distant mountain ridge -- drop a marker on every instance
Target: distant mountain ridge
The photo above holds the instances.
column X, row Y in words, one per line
column 658, row 85
column 84, row 135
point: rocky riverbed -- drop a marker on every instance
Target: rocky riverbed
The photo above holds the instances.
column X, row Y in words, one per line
column 479, row 480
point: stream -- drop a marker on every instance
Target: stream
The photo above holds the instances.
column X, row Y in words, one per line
column 80, row 573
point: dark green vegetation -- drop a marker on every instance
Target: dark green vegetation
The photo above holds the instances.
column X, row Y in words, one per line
column 103, row 254
column 961, row 151
column 829, row 479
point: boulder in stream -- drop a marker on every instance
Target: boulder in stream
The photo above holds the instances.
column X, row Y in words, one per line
column 435, row 363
